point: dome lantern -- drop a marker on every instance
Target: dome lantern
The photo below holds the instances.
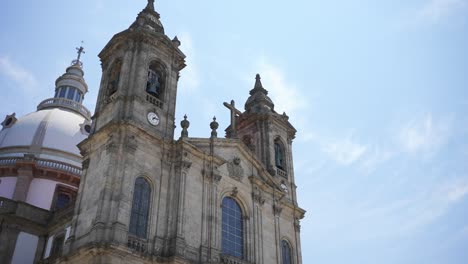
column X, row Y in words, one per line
column 70, row 89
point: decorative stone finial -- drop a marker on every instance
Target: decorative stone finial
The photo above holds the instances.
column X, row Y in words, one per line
column 176, row 41
column 150, row 5
column 258, row 101
column 184, row 124
column 214, row 125
column 258, row 83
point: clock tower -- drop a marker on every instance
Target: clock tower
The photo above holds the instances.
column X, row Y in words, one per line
column 141, row 68
column 131, row 137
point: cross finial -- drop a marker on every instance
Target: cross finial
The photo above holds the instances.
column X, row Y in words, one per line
column 80, row 51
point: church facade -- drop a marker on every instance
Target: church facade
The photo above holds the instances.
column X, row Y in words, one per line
column 133, row 194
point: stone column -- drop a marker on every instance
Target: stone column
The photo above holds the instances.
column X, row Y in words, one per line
column 8, row 236
column 25, row 176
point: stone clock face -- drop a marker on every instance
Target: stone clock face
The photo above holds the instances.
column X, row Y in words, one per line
column 153, row 118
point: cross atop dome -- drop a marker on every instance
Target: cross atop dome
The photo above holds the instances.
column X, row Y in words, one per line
column 80, row 51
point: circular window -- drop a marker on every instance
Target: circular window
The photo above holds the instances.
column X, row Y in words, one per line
column 87, row 128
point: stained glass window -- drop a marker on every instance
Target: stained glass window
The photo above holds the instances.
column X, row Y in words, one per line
column 285, row 252
column 140, row 208
column 232, row 229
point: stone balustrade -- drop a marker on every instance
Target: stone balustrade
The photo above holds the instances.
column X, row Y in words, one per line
column 66, row 103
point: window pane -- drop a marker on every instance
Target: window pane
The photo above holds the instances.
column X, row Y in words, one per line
column 63, row 90
column 232, row 228
column 71, row 93
column 62, row 201
column 285, row 252
column 140, row 208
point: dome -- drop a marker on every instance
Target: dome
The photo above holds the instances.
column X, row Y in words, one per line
column 44, row 131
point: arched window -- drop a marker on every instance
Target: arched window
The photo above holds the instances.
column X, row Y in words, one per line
column 155, row 81
column 232, row 229
column 63, row 197
column 114, row 77
column 279, row 155
column 285, row 252
column 140, row 208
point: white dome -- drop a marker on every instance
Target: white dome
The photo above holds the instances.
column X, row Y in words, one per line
column 51, row 129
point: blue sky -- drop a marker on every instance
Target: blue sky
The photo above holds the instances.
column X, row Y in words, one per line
column 376, row 89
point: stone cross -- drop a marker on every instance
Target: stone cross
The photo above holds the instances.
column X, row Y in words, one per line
column 234, row 113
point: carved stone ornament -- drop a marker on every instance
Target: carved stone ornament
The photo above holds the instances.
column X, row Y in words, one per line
column 235, row 169
column 85, row 164
column 131, row 144
column 277, row 208
column 234, row 192
column 297, row 224
column 111, row 146
column 257, row 196
column 185, row 165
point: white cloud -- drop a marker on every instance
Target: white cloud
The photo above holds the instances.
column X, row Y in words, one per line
column 436, row 10
column 283, row 92
column 402, row 216
column 190, row 78
column 374, row 157
column 344, row 151
column 18, row 74
column 457, row 191
column 425, row 135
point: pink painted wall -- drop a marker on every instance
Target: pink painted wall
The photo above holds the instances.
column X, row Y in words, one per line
column 7, row 186
column 25, row 249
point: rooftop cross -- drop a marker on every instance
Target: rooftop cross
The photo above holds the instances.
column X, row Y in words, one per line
column 80, row 50
column 234, row 113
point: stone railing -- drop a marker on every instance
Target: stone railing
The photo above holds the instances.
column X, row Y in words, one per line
column 57, row 165
column 8, row 161
column 67, row 103
column 42, row 163
column 137, row 244
column 281, row 173
column 226, row 259
column 154, row 100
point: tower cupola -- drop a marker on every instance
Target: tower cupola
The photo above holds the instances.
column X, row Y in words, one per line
column 148, row 19
column 70, row 89
column 259, row 102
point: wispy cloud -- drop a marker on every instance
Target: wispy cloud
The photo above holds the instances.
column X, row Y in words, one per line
column 190, row 78
column 435, row 11
column 17, row 73
column 425, row 135
column 283, row 92
column 374, row 157
column 401, row 216
column 344, row 151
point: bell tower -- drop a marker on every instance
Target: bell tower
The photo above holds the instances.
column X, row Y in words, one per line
column 131, row 142
column 266, row 133
column 140, row 71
